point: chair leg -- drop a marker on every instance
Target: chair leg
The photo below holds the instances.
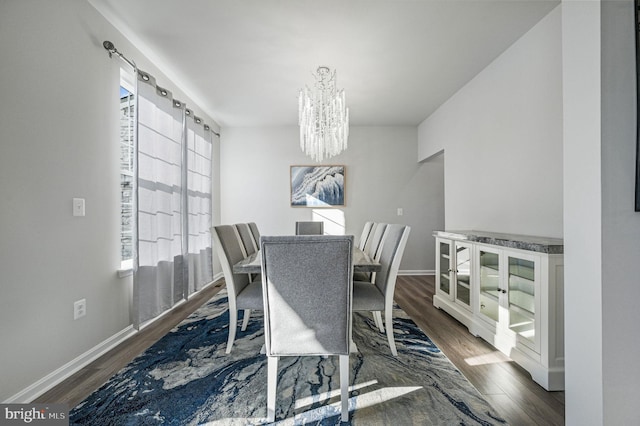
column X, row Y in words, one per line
column 272, row 381
column 377, row 318
column 245, row 319
column 388, row 318
column 344, row 387
column 233, row 324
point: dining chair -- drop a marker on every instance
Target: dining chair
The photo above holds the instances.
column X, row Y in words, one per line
column 309, row 228
column 246, row 236
column 374, row 240
column 366, row 230
column 250, row 246
column 242, row 294
column 371, row 248
column 307, row 287
column 255, row 232
column 379, row 296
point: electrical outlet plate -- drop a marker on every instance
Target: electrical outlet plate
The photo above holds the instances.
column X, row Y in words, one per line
column 79, row 308
column 78, row 207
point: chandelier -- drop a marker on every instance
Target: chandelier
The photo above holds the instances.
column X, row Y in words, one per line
column 323, row 117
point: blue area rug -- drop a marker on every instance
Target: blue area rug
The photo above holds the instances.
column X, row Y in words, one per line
column 187, row 379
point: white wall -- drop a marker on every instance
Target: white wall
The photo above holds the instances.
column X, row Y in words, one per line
column 502, row 140
column 381, row 175
column 59, row 140
column 582, row 213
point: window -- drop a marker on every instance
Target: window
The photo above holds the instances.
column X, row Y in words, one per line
column 127, row 135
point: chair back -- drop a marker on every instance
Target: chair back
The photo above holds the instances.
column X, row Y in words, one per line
column 230, row 251
column 372, row 246
column 309, row 228
column 255, row 233
column 366, row 230
column 307, row 289
column 246, row 236
column 395, row 240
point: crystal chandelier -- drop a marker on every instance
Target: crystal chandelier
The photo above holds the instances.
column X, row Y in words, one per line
column 323, row 117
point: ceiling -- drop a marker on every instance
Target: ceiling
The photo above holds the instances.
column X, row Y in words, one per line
column 244, row 61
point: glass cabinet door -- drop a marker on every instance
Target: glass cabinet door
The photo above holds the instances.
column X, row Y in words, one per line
column 445, row 268
column 521, row 290
column 489, row 284
column 463, row 275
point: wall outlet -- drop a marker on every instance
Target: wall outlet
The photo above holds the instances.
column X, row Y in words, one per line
column 400, row 211
column 79, row 308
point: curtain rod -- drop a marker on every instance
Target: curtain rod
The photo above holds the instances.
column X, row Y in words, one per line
column 112, row 50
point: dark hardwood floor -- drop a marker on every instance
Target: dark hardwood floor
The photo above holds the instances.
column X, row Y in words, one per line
column 503, row 383
column 81, row 384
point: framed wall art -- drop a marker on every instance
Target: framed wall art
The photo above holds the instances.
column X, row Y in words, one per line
column 317, row 186
column 636, row 5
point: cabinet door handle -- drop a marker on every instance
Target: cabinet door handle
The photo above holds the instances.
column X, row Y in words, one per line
column 501, row 290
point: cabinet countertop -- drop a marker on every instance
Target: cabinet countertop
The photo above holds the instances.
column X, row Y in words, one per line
column 521, row 242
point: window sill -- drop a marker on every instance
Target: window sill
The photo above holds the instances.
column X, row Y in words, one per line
column 122, row 273
column 126, row 269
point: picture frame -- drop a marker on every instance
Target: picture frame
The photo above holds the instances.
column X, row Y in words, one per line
column 636, row 5
column 317, row 186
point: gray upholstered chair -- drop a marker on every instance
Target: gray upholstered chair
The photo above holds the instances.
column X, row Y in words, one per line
column 375, row 238
column 371, row 248
column 242, row 293
column 246, row 236
column 379, row 297
column 255, row 233
column 309, row 228
column 366, row 230
column 250, row 246
column 307, row 285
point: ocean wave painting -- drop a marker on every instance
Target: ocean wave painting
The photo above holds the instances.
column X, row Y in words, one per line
column 317, row 186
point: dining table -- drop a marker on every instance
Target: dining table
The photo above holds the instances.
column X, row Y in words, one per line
column 362, row 262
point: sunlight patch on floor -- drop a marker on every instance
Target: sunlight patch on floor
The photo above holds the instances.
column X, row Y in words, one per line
column 490, row 358
column 377, row 396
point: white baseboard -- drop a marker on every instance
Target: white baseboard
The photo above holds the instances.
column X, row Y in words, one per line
column 52, row 379
column 417, row 272
column 49, row 381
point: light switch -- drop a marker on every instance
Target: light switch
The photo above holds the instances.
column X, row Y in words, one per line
column 400, row 211
column 78, row 206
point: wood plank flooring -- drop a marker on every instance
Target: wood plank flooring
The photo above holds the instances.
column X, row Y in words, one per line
column 506, row 385
column 81, row 384
column 503, row 383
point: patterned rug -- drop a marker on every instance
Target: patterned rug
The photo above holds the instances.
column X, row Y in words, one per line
column 187, row 379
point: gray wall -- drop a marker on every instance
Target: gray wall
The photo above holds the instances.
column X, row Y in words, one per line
column 59, row 140
column 602, row 229
column 620, row 223
column 381, row 175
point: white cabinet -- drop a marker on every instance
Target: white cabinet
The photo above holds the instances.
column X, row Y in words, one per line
column 453, row 278
column 515, row 296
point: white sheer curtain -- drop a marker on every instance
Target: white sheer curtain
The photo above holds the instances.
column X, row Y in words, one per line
column 159, row 271
column 199, row 151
